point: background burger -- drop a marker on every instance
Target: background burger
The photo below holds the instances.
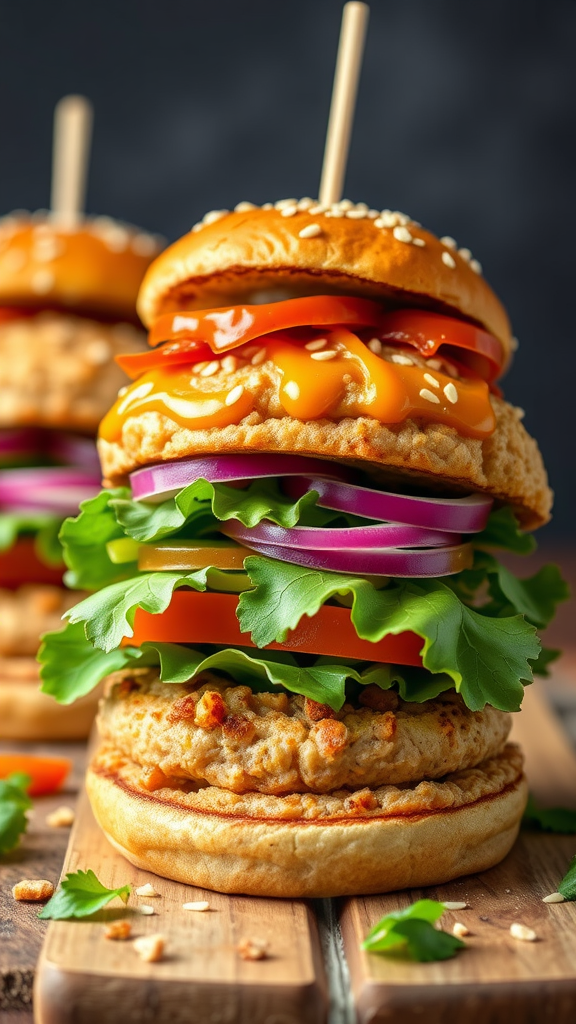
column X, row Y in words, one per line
column 67, row 307
column 311, row 649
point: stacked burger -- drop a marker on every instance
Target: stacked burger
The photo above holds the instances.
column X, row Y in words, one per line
column 310, row 647
column 67, row 306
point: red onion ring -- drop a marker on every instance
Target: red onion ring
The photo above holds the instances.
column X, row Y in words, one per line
column 355, row 538
column 453, row 515
column 25, row 441
column 156, row 483
column 50, row 489
column 379, row 562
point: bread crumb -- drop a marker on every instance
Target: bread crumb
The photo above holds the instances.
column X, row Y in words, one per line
column 150, row 947
column 455, row 905
column 62, row 817
column 36, row 889
column 554, row 897
column 522, row 933
column 147, row 890
column 199, row 905
column 252, row 949
column 460, row 930
column 118, row 930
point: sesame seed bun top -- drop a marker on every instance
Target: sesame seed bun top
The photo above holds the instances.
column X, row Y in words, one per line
column 301, row 247
column 94, row 267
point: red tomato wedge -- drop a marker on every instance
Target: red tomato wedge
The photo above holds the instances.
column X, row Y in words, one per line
column 211, row 619
column 47, row 773
column 431, row 333
column 20, row 564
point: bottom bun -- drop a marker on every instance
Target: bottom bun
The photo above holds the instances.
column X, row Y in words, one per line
column 307, row 846
column 28, row 714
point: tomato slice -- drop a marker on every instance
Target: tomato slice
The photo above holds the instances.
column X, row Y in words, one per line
column 208, row 618
column 230, row 326
column 194, row 554
column 47, row 773
column 20, row 564
column 430, row 332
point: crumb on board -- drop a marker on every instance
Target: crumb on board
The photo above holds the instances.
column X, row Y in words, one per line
column 252, row 949
column 460, row 930
column 147, row 890
column 146, row 910
column 522, row 932
column 199, row 905
column 454, row 905
column 62, row 817
column 35, row 889
column 150, row 947
column 118, row 930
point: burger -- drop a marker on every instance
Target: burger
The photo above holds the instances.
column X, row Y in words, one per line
column 311, row 651
column 67, row 306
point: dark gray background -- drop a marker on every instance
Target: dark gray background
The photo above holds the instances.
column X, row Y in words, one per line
column 465, row 120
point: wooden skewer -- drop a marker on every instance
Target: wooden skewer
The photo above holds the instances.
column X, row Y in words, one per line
column 348, row 64
column 71, row 151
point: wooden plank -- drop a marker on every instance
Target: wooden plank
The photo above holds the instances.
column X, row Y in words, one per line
column 86, row 979
column 40, row 855
column 497, row 978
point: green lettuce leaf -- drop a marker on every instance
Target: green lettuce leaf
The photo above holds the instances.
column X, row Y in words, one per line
column 411, row 931
column 84, row 542
column 568, row 884
column 14, row 802
column 44, row 526
column 550, row 819
column 535, row 597
column 81, row 894
column 487, row 659
column 503, row 531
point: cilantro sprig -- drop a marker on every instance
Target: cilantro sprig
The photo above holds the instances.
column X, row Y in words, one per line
column 80, row 895
column 411, row 932
column 567, row 886
column 14, row 802
column 550, row 819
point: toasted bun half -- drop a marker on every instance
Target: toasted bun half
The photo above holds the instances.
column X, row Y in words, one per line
column 28, row 714
column 265, row 846
column 232, row 256
column 95, row 267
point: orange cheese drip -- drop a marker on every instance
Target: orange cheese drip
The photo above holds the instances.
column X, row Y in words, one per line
column 353, row 382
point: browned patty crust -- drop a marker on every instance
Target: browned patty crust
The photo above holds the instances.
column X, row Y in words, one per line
column 28, row 612
column 508, row 464
column 227, row 736
column 57, row 370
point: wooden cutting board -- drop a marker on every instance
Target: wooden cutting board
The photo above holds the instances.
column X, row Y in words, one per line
column 82, row 978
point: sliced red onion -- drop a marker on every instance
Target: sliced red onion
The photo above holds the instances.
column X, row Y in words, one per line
column 25, row 441
column 51, row 489
column 74, row 451
column 355, row 538
column 378, row 562
column 453, row 515
column 157, row 483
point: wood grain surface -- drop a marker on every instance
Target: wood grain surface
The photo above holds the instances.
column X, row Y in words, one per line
column 497, row 979
column 40, row 855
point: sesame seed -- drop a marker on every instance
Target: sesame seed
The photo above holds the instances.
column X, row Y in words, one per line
column 402, row 360
column 305, row 203
column 199, row 905
column 554, row 897
column 401, row 234
column 449, row 241
column 214, row 215
column 234, row 395
column 373, row 214
column 258, row 357
column 230, row 364
column 144, row 244
column 316, row 345
column 310, row 231
column 147, row 890
column 460, row 930
column 210, row 369
column 346, row 204
column 244, row 207
column 451, row 393
column 425, row 393
column 122, row 391
column 319, row 208
column 448, row 260
column 328, row 353
column 375, row 346
column 418, row 241
column 379, row 223
column 288, row 211
column 389, row 219
column 476, row 266
column 434, row 364
column 356, row 214
column 454, row 905
column 267, row 206
column 465, row 254
column 199, row 367
column 522, row 932
column 282, row 203
column 335, row 211
column 42, row 282
column 196, row 227
column 292, row 390
column 431, row 380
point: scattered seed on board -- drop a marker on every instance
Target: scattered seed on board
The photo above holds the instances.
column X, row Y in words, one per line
column 147, row 890
column 62, row 817
column 455, row 905
column 198, row 905
column 554, row 897
column 460, row 930
column 522, row 932
column 146, row 910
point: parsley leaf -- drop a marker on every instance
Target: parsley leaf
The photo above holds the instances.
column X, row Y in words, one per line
column 568, row 884
column 14, row 802
column 550, row 819
column 81, row 894
column 411, row 931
